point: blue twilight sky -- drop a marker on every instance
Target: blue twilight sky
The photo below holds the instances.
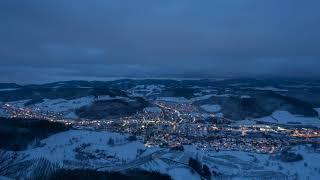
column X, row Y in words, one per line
column 92, row 39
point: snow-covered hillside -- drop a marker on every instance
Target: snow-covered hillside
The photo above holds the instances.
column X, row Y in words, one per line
column 318, row 110
column 267, row 88
column 63, row 106
column 112, row 151
column 91, row 147
column 8, row 89
column 211, row 108
column 284, row 117
column 183, row 99
column 146, row 90
column 104, row 151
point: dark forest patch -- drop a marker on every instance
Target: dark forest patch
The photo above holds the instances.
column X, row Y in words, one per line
column 91, row 174
column 111, row 108
column 17, row 134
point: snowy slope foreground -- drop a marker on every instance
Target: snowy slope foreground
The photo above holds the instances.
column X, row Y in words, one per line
column 106, row 151
column 244, row 165
column 95, row 150
column 90, row 147
column 238, row 165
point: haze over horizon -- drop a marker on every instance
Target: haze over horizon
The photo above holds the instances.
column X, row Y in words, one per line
column 45, row 41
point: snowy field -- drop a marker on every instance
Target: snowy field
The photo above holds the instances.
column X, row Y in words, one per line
column 318, row 110
column 152, row 109
column 79, row 148
column 243, row 165
column 239, row 165
column 213, row 108
column 174, row 99
column 63, row 106
column 185, row 100
column 19, row 104
column 267, row 88
column 146, row 90
column 97, row 148
column 8, row 89
column 284, row 117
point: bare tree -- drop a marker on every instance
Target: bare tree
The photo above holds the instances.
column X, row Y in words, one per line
column 11, row 163
column 43, row 169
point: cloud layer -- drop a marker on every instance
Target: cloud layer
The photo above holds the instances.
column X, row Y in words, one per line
column 146, row 38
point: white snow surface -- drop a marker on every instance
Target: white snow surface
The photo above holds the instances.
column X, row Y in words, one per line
column 62, row 105
column 176, row 172
column 174, row 99
column 183, row 174
column 9, row 89
column 5, row 178
column 152, row 109
column 285, row 117
column 318, row 110
column 245, row 97
column 245, row 122
column 68, row 107
column 267, row 88
column 146, row 90
column 201, row 98
column 246, row 165
column 61, row 146
column 211, row 108
column 183, row 99
column 19, row 104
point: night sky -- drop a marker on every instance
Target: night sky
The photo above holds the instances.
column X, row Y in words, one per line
column 42, row 41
